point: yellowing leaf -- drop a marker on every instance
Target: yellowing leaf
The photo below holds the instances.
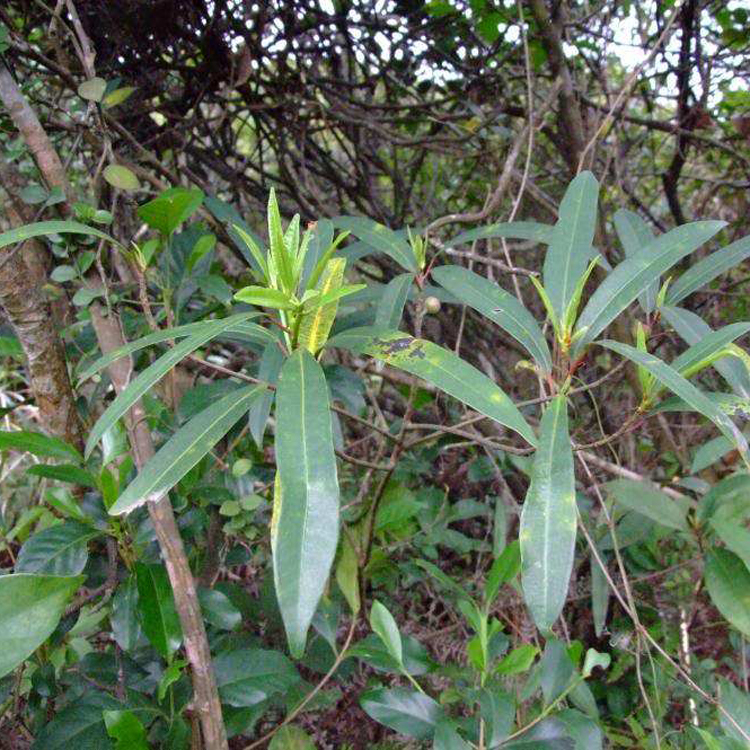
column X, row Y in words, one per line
column 316, row 323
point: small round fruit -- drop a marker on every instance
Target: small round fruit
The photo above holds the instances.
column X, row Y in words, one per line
column 432, row 305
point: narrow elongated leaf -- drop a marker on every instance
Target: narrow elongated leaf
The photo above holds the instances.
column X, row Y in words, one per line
column 405, row 711
column 380, row 238
column 242, row 326
column 710, row 453
column 694, row 330
column 316, row 323
column 30, row 608
column 26, row 441
column 683, row 388
column 500, row 307
column 262, row 296
column 548, row 520
column 514, row 230
column 570, row 246
column 185, row 448
column 64, row 473
column 599, row 594
column 57, row 551
column 728, row 583
column 634, row 235
column 268, row 371
column 645, row 499
column 709, row 346
column 157, row 610
column 149, row 377
column 635, row 274
column 46, row 228
column 391, row 305
column 305, row 525
column 441, row 368
column 707, row 269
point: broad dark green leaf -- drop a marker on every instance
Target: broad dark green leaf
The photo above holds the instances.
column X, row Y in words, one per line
column 60, row 550
column 305, row 525
column 548, row 520
column 500, row 307
column 390, row 307
column 683, row 388
column 383, row 624
column 448, row 738
column 707, row 269
column 291, row 737
column 441, row 368
column 79, row 725
column 64, row 473
column 126, row 627
column 634, row 235
column 635, row 274
column 728, row 582
column 737, row 705
column 549, row 734
column 731, row 530
column 218, row 609
column 268, row 371
column 39, row 445
column 248, row 676
column 157, row 610
column 380, row 238
column 582, row 729
column 498, row 709
column 694, row 330
column 126, row 729
column 518, row 661
column 647, row 500
column 514, row 230
column 505, row 568
column 44, row 228
column 149, row 377
column 170, row 209
column 570, row 246
column 416, row 658
column 405, row 711
column 185, row 449
column 30, row 608
column 730, row 491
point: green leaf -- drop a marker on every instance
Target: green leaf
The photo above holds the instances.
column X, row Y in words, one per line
column 635, row 274
column 305, row 524
column 279, row 259
column 728, row 582
column 44, row 228
column 503, row 570
column 290, row 737
column 647, row 500
column 599, row 594
column 405, row 711
column 80, row 725
column 316, row 322
column 93, row 89
column 441, row 368
column 167, row 211
column 500, row 307
column 737, row 705
column 390, row 307
column 39, row 445
column 248, row 676
column 118, row 96
column 582, row 729
column 185, row 449
column 634, row 235
column 710, row 348
column 126, row 728
column 347, row 574
column 710, row 452
column 64, row 473
column 548, row 520
column 380, row 238
column 157, row 610
column 707, row 269
column 594, row 659
column 684, row 389
column 149, row 377
column 516, row 230
column 262, row 296
column 255, row 251
column 121, row 177
column 126, row 628
column 447, row 738
column 218, row 610
column 268, row 372
column 694, row 330
column 30, row 608
column 60, row 550
column 382, row 623
column 570, row 246
column 519, row 660
column 498, row 709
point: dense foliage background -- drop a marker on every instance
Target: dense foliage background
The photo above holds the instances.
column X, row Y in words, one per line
column 191, row 132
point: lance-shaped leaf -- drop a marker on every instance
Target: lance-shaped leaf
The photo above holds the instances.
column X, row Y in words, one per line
column 305, row 524
column 707, row 269
column 570, row 246
column 391, row 305
column 405, row 711
column 46, row 228
column 185, row 448
column 712, row 347
column 683, row 388
column 268, row 371
column 157, row 609
column 635, row 274
column 728, row 583
column 149, row 377
column 380, row 238
column 548, row 520
column 634, row 235
column 441, row 368
column 316, row 323
column 513, row 230
column 262, row 296
column 500, row 307
column 694, row 330
column 647, row 500
column 26, row 441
